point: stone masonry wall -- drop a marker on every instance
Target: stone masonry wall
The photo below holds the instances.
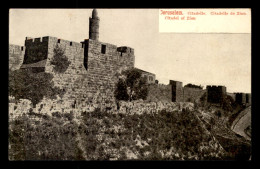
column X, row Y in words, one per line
column 16, row 56
column 159, row 92
column 94, row 70
column 47, row 106
column 36, row 50
column 233, row 95
column 94, row 82
column 192, row 94
column 177, row 91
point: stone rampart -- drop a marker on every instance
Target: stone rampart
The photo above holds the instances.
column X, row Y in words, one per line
column 16, row 56
column 159, row 92
column 192, row 94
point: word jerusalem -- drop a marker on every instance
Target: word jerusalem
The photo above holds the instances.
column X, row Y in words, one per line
column 174, row 12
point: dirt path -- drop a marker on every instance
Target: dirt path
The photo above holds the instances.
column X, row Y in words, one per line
column 242, row 123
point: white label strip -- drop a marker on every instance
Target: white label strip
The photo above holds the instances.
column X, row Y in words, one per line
column 205, row 20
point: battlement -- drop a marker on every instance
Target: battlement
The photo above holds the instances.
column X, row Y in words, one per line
column 125, row 49
column 109, row 48
column 108, row 51
column 50, row 39
column 240, row 93
column 69, row 43
column 215, row 86
column 36, row 40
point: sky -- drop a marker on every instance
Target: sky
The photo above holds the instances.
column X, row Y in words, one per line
column 197, row 58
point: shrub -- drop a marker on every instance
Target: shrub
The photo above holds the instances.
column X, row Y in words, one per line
column 132, row 87
column 194, row 86
column 69, row 116
column 228, row 103
column 218, row 113
column 121, row 90
column 59, row 60
column 46, row 141
column 24, row 84
column 203, row 99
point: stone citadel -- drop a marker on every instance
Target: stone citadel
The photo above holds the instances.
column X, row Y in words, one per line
column 94, row 69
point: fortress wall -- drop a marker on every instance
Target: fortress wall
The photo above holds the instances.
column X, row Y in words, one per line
column 135, row 107
column 16, row 56
column 74, row 52
column 94, row 69
column 192, row 94
column 67, row 80
column 159, row 92
column 102, row 70
column 233, row 95
column 140, row 107
column 95, row 82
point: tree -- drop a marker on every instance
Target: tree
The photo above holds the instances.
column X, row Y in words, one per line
column 193, row 86
column 59, row 60
column 132, row 86
column 121, row 90
column 24, row 84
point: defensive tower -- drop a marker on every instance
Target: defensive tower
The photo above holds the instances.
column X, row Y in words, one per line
column 94, row 26
column 216, row 94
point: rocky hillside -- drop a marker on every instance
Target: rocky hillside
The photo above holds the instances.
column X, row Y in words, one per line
column 217, row 121
column 104, row 135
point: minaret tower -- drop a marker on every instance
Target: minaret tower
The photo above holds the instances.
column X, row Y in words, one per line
column 94, row 25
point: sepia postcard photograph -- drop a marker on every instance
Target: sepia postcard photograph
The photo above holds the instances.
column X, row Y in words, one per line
column 127, row 84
